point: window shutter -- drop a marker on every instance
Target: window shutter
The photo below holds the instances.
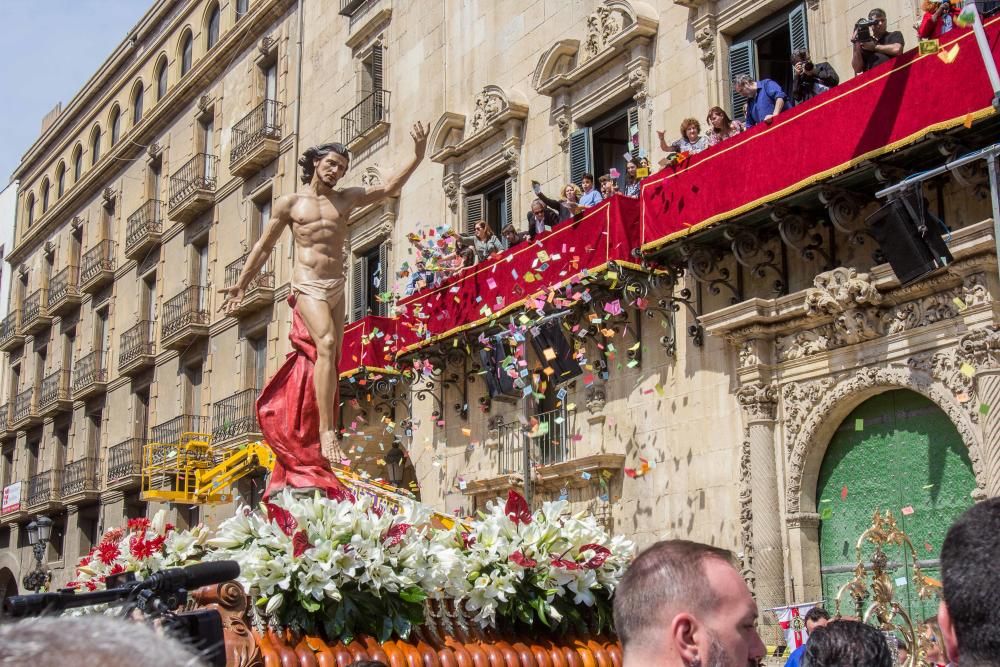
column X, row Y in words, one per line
column 475, row 207
column 581, row 160
column 633, row 130
column 377, row 78
column 797, row 28
column 741, row 61
column 508, row 203
column 359, row 295
column 383, row 263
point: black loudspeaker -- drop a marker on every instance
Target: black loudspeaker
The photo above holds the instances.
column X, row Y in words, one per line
column 910, row 238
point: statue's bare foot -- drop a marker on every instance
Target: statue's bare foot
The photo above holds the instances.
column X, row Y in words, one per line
column 331, row 448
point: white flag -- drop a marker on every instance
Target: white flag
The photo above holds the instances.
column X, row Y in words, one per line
column 793, row 623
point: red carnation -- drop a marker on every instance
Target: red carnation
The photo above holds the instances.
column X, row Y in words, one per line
column 117, row 569
column 601, row 554
column 517, row 509
column 107, row 552
column 91, row 586
column 286, row 522
column 140, row 524
column 522, row 560
column 300, row 543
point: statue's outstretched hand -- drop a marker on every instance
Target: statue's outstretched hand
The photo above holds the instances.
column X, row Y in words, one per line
column 419, row 135
column 234, row 297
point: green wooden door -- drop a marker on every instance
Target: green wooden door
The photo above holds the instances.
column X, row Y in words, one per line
column 896, row 451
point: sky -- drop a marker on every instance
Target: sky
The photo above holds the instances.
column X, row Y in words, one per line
column 50, row 49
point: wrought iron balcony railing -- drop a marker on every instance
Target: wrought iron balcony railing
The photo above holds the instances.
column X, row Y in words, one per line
column 36, row 311
column 187, row 309
column 348, row 7
column 144, row 228
column 548, row 442
column 4, row 418
column 198, row 174
column 55, row 391
column 171, row 430
column 43, row 488
column 24, row 406
column 264, row 122
column 365, row 115
column 259, row 293
column 64, row 289
column 97, row 265
column 90, row 374
column 125, row 460
column 235, row 416
column 10, row 331
column 81, row 476
column 137, row 344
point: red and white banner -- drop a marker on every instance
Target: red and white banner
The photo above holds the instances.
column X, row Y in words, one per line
column 11, row 498
column 793, row 623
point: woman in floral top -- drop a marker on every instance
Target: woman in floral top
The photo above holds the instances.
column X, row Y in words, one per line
column 720, row 127
column 691, row 141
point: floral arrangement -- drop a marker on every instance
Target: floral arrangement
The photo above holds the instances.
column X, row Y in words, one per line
column 339, row 567
column 547, row 566
column 144, row 546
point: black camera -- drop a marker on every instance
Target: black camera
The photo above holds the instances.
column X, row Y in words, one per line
column 808, row 66
column 863, row 30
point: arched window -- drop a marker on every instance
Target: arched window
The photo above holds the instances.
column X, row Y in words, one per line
column 186, row 54
column 242, row 7
column 29, row 208
column 115, row 122
column 161, row 79
column 60, row 179
column 95, row 146
column 77, row 163
column 45, row 195
column 137, row 94
column 212, row 28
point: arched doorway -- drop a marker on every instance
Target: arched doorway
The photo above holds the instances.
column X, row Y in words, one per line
column 8, row 585
column 896, row 451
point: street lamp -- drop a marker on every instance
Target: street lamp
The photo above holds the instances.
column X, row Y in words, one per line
column 39, row 532
column 394, row 465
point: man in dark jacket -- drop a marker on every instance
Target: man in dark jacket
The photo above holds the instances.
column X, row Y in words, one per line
column 809, row 79
column 540, row 219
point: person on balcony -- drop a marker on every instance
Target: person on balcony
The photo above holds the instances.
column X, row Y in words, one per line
column 568, row 206
column 608, row 188
column 421, row 278
column 881, row 47
column 483, row 241
column 721, row 126
column 765, row 99
column 511, row 237
column 591, row 197
column 541, row 218
column 810, row 79
column 633, row 184
column 939, row 18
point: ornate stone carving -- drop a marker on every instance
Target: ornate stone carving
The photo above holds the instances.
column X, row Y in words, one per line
column 840, row 290
column 596, row 398
column 602, row 26
column 108, row 196
column 205, row 103
column 489, row 104
column 266, row 45
column 981, row 347
column 371, row 176
column 748, row 354
column 758, row 400
column 154, row 151
column 637, row 81
column 746, row 511
column 511, row 156
column 565, row 126
column 451, row 190
column 797, row 401
column 803, row 442
column 705, row 38
column 50, row 249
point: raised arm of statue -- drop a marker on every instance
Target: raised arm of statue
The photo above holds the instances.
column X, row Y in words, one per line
column 280, row 217
column 394, row 184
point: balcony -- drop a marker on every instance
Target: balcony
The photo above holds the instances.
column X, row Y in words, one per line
column 64, row 291
column 25, row 412
column 259, row 293
column 98, row 266
column 144, row 229
column 137, row 348
column 365, row 120
column 90, row 376
column 171, row 431
column 5, row 430
column 125, row 464
column 235, row 419
column 55, row 395
column 11, row 336
column 185, row 318
column 81, row 480
column 43, row 492
column 348, row 7
column 255, row 138
column 36, row 312
column 192, row 188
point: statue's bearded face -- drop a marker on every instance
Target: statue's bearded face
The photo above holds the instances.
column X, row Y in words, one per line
column 330, row 168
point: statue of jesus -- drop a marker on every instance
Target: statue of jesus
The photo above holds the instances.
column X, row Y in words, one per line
column 318, row 216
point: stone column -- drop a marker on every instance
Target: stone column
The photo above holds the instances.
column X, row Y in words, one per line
column 112, row 512
column 759, row 509
column 981, row 348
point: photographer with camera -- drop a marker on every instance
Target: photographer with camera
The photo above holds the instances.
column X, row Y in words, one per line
column 939, row 18
column 873, row 44
column 809, row 79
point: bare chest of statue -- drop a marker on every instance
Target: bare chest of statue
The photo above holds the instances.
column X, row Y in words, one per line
column 319, row 226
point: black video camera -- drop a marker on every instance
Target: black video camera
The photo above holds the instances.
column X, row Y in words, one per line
column 863, row 30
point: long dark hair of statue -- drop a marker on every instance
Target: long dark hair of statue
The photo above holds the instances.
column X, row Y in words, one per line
column 318, row 153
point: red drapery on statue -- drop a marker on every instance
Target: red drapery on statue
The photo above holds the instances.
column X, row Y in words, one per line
column 289, row 420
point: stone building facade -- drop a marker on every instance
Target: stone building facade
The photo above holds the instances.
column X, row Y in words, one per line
column 760, row 345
